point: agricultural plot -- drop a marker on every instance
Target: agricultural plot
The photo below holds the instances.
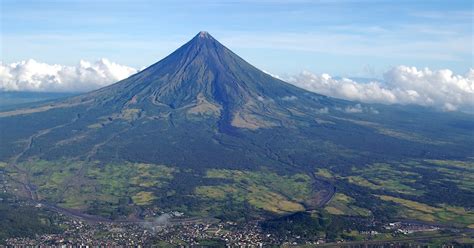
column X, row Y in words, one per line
column 381, row 176
column 92, row 187
column 407, row 189
column 263, row 190
column 442, row 213
column 413, row 188
column 342, row 204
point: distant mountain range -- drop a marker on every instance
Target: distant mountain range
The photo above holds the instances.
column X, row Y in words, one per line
column 14, row 99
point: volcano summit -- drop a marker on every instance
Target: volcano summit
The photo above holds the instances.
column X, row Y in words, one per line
column 204, row 132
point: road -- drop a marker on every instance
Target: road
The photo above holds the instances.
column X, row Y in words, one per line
column 97, row 219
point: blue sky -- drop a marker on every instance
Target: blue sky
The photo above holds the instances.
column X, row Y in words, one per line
column 345, row 38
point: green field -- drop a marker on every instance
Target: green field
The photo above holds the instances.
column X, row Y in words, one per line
column 407, row 189
column 443, row 213
column 342, row 204
column 413, row 188
column 100, row 188
column 263, row 190
column 385, row 177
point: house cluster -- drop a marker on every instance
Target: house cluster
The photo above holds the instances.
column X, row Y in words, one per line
column 409, row 228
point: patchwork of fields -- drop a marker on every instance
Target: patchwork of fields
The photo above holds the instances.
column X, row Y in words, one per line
column 407, row 190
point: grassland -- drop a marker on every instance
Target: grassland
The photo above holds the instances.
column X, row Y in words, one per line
column 427, row 190
column 381, row 176
column 80, row 185
column 442, row 213
column 468, row 165
column 104, row 189
column 51, row 179
column 324, row 173
column 342, row 204
column 460, row 173
column 143, row 198
column 263, row 190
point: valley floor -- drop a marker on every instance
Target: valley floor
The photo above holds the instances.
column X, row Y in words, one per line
column 171, row 230
column 175, row 229
column 63, row 202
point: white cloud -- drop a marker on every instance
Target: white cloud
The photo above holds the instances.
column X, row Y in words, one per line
column 289, row 98
column 354, row 109
column 358, row 108
column 441, row 88
column 324, row 110
column 402, row 84
column 31, row 75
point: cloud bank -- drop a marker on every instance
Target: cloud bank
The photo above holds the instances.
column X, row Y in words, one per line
column 31, row 75
column 402, row 85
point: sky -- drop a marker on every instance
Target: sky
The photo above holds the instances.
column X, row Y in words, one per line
column 289, row 39
column 345, row 38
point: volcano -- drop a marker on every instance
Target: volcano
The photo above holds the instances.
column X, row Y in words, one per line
column 204, row 78
column 202, row 108
column 203, row 102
